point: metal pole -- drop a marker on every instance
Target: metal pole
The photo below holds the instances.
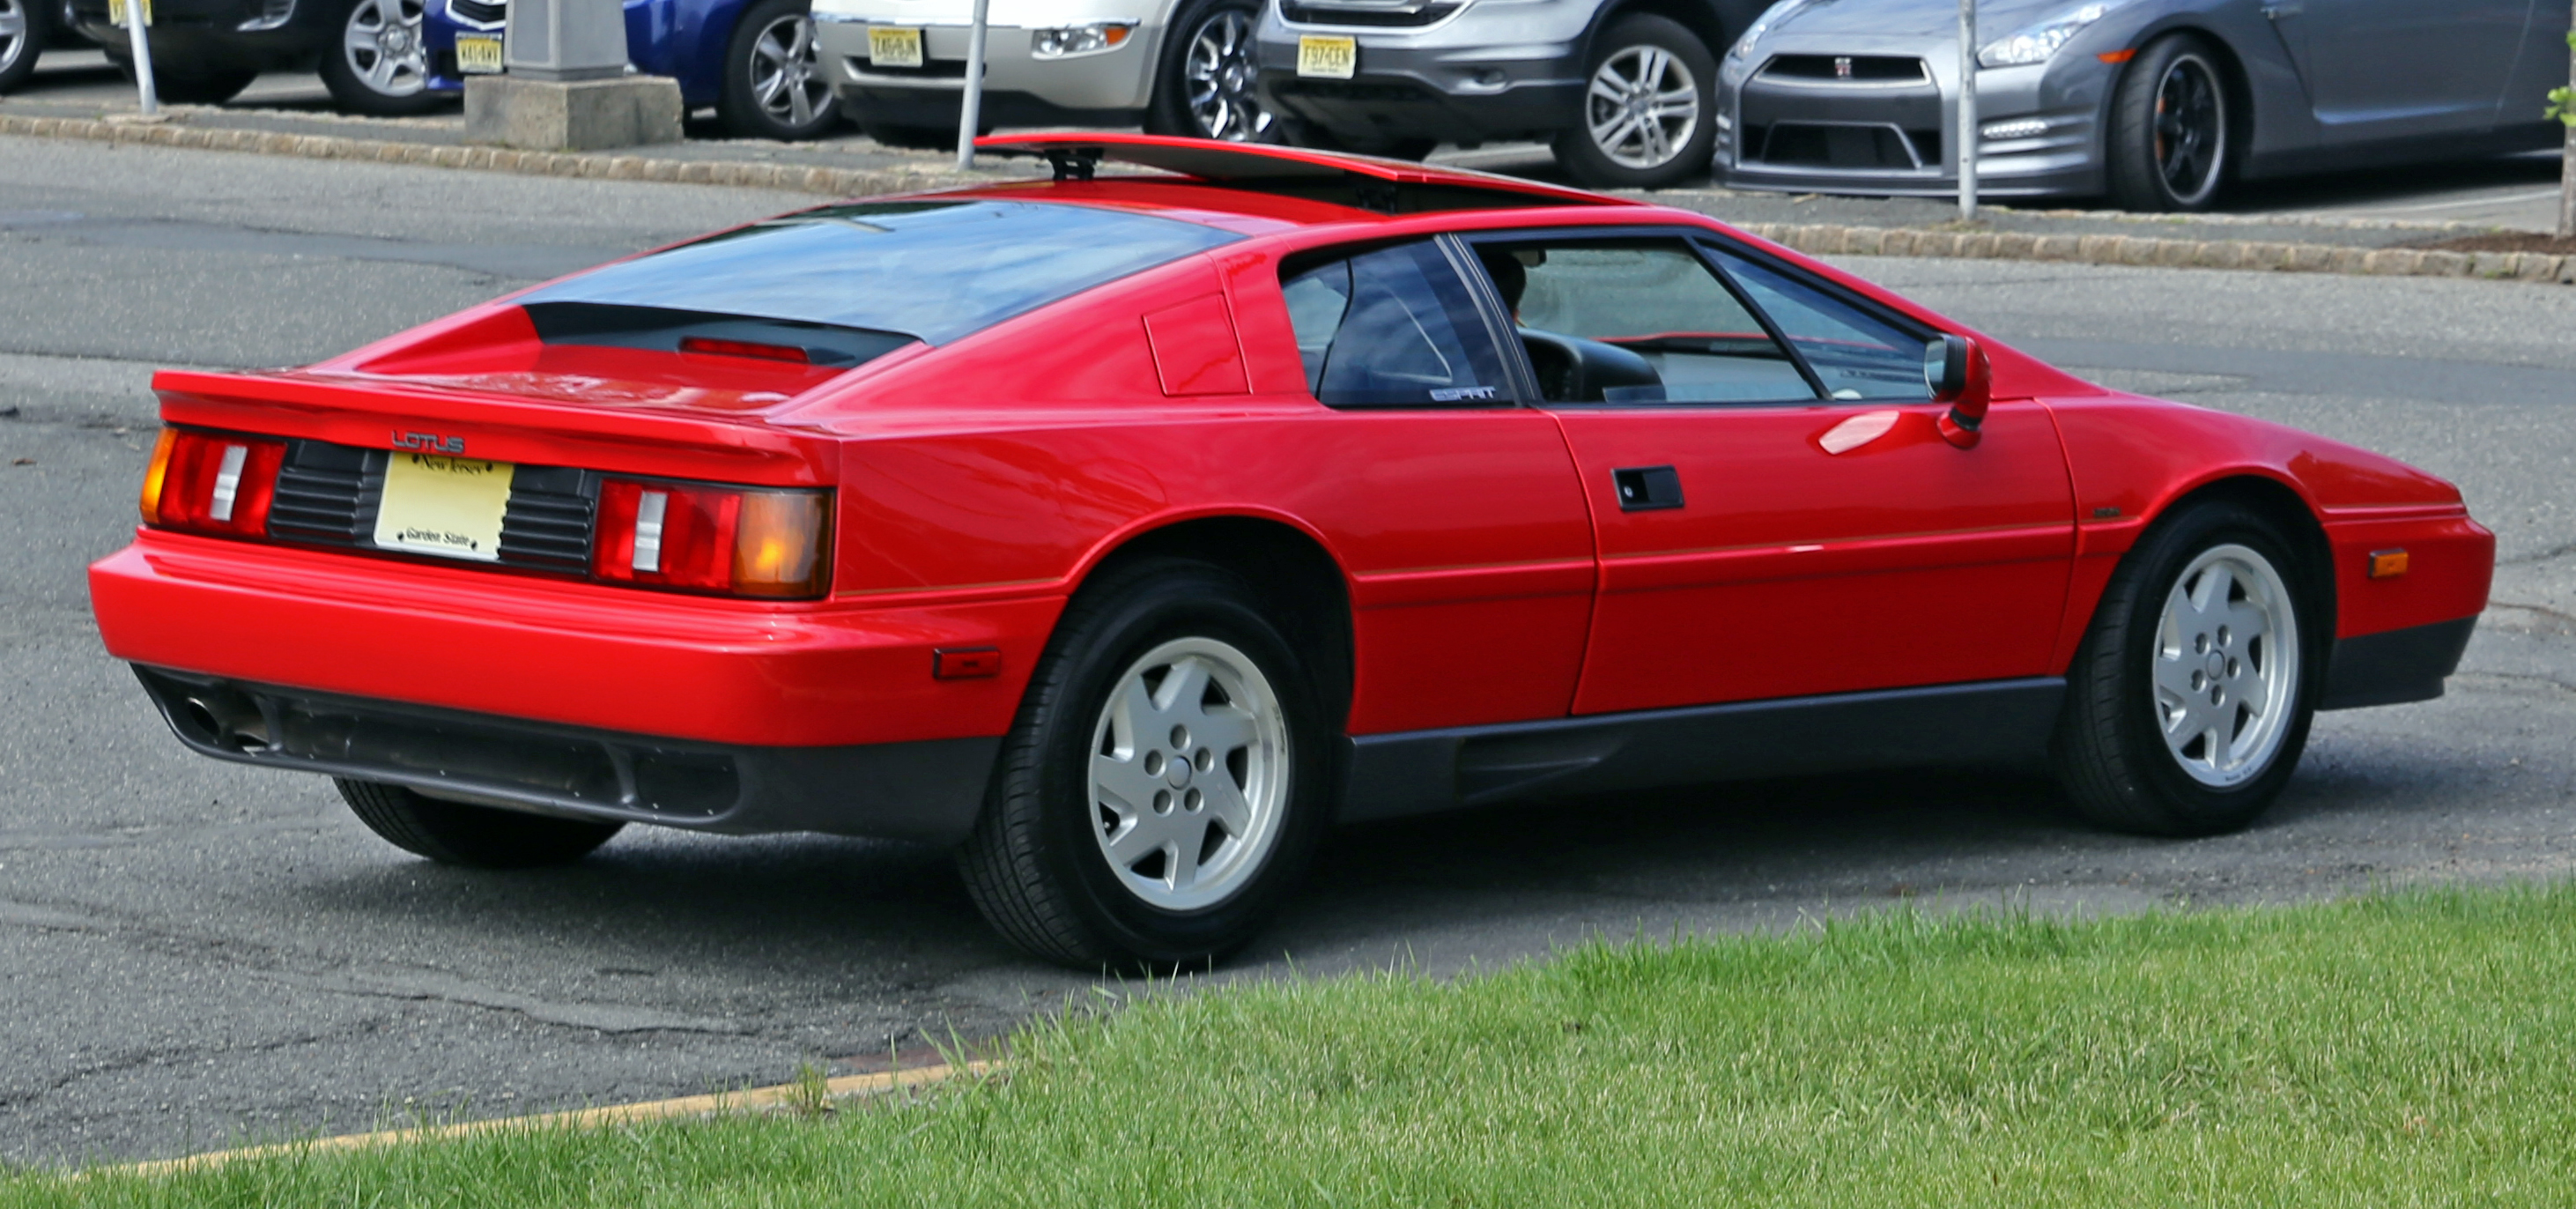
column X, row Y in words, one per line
column 1967, row 110
column 142, row 45
column 2567, row 165
column 970, row 112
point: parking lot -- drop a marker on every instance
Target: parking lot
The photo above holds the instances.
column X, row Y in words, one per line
column 197, row 952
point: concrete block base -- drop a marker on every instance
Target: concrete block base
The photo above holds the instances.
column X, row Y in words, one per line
column 587, row 115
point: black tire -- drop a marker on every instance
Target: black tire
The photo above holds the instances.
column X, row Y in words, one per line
column 476, row 837
column 190, row 88
column 2172, row 141
column 403, row 91
column 773, row 72
column 1582, row 155
column 1036, row 864
column 19, row 51
column 2111, row 750
column 1209, row 54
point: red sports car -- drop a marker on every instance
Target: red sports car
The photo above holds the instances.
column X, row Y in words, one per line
column 1128, row 533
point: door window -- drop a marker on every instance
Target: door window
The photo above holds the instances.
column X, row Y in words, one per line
column 1394, row 327
column 1636, row 321
column 1855, row 354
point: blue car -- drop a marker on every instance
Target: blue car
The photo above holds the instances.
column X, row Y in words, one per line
column 752, row 60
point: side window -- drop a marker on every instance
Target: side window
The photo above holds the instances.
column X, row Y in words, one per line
column 1394, row 327
column 1636, row 321
column 1856, row 354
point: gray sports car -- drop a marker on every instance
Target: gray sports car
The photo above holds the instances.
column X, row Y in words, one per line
column 2157, row 104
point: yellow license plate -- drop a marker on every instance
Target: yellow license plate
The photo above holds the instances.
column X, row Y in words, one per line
column 1331, row 58
column 116, row 13
column 450, row 507
column 478, row 56
column 889, row 46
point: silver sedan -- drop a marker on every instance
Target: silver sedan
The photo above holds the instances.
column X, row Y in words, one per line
column 2157, row 104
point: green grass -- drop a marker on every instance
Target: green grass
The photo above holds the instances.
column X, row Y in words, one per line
column 2411, row 1049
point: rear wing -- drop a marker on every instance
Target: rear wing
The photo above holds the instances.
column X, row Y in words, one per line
column 1388, row 185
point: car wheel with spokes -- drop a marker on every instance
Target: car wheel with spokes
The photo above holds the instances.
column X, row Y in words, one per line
column 2171, row 145
column 1203, row 85
column 2188, row 704
column 775, row 86
column 24, row 30
column 1166, row 782
column 1648, row 108
column 378, row 64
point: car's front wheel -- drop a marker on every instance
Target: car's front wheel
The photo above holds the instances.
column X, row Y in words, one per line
column 377, row 65
column 2188, row 703
column 2170, row 146
column 1649, row 106
column 1166, row 782
column 1203, row 85
column 477, row 837
column 775, row 86
column 24, row 30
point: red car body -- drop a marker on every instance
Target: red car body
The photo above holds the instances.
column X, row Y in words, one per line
column 1498, row 624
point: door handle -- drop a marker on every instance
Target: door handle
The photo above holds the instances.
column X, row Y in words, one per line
column 1647, row 488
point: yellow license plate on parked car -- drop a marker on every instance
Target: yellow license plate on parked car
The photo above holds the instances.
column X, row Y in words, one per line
column 1331, row 58
column 451, row 507
column 477, row 56
column 891, row 46
column 116, row 13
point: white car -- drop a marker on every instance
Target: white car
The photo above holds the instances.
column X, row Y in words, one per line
column 1183, row 66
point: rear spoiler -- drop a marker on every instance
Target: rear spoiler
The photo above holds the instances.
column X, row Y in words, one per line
column 1077, row 155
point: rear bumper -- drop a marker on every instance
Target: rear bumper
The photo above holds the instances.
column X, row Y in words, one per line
column 563, row 653
column 928, row 790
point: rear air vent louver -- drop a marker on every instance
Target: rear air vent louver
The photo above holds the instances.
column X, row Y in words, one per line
column 327, row 494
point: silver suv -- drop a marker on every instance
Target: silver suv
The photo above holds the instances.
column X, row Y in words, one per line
column 1183, row 66
column 1625, row 89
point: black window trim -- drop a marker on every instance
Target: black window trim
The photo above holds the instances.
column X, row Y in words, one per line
column 1699, row 240
column 1519, row 387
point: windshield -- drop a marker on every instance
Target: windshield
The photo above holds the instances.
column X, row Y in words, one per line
column 935, row 271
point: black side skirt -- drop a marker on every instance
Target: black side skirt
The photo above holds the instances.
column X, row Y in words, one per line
column 1994, row 723
column 2397, row 666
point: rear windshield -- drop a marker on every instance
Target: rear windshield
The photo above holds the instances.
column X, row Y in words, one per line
column 934, row 271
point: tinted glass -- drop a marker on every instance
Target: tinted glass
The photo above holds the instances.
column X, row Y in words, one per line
column 1636, row 321
column 1855, row 353
column 935, row 270
column 1395, row 327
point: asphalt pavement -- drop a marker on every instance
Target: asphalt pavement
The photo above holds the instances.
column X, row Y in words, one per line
column 193, row 953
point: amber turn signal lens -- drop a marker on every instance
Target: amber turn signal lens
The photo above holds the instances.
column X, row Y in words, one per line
column 157, row 475
column 2387, row 564
column 778, row 547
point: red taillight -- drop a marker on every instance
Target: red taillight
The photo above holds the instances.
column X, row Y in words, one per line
column 712, row 347
column 212, row 482
column 740, row 541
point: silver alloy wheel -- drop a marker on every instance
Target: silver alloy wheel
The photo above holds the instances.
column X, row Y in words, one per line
column 1643, row 107
column 1218, row 73
column 783, row 75
column 1189, row 774
column 382, row 41
column 13, row 31
column 2226, row 676
column 2191, row 129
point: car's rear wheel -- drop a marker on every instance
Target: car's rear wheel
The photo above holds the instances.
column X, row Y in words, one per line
column 1648, row 107
column 2170, row 146
column 24, row 30
column 1166, row 782
column 1203, row 85
column 2188, row 704
column 377, row 64
column 775, row 86
column 478, row 837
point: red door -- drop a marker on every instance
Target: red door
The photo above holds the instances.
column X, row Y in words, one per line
column 1775, row 511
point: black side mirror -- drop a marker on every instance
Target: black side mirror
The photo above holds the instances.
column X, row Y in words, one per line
column 1959, row 375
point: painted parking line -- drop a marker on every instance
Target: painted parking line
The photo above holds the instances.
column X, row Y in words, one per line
column 758, row 1099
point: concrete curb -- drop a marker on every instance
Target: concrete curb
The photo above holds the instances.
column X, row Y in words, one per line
column 1822, row 239
column 759, row 1099
column 841, row 182
column 1812, row 238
